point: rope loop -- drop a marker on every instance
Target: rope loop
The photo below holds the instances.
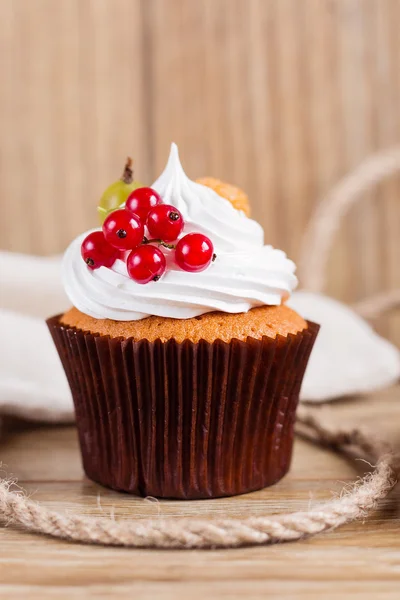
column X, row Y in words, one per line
column 325, row 222
column 16, row 509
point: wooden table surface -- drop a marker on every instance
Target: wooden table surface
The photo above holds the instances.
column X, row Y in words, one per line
column 360, row 560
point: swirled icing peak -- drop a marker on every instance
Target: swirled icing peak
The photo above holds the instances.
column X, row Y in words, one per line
column 205, row 211
column 245, row 274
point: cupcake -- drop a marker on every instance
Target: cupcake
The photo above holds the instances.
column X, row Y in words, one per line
column 184, row 362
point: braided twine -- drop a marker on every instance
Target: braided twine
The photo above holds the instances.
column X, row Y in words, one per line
column 353, row 504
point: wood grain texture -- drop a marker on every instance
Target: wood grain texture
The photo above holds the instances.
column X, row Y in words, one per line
column 360, row 560
column 279, row 96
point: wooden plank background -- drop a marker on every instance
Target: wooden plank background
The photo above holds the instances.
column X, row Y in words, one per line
column 279, row 96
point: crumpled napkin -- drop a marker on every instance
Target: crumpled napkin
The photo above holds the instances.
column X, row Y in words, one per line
column 32, row 381
column 348, row 357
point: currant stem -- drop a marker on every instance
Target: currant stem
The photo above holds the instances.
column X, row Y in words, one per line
column 159, row 242
column 127, row 175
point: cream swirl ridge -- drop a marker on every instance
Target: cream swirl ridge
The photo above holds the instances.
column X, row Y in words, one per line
column 236, row 282
column 246, row 273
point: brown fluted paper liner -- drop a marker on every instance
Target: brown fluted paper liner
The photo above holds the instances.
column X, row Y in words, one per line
column 189, row 420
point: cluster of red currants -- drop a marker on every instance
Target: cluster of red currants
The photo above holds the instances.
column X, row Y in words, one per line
column 124, row 231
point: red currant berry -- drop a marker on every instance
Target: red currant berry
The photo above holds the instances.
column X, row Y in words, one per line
column 141, row 201
column 194, row 252
column 165, row 222
column 146, row 263
column 123, row 230
column 97, row 252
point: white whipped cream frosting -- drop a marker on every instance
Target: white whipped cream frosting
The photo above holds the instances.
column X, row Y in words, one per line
column 245, row 274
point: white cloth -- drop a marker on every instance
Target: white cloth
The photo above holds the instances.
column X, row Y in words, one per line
column 32, row 381
column 348, row 357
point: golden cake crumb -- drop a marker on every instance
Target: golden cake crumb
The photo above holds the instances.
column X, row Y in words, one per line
column 267, row 321
column 237, row 197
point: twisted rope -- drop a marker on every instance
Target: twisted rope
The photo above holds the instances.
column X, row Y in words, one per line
column 355, row 503
column 326, row 219
column 376, row 305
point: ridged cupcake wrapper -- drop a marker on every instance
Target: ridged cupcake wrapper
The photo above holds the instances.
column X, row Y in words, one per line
column 184, row 420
